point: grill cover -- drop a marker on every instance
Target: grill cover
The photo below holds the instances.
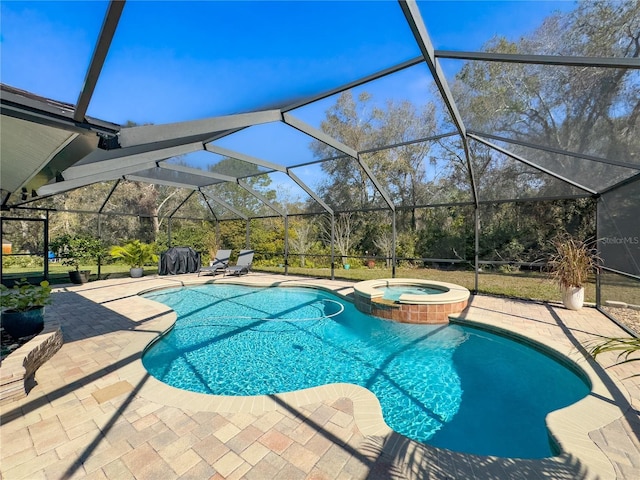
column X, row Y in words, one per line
column 179, row 260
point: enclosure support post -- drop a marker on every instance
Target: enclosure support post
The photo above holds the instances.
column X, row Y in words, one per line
column 2, row 253
column 46, row 246
column 393, row 244
column 598, row 254
column 169, row 232
column 99, row 238
column 333, row 234
column 476, row 247
column 286, row 244
column 248, row 234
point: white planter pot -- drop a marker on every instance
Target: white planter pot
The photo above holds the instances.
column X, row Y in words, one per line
column 136, row 272
column 573, row 297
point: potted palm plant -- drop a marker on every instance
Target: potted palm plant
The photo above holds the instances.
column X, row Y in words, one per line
column 135, row 254
column 570, row 266
column 23, row 307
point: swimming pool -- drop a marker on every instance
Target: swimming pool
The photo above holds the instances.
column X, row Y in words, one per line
column 447, row 385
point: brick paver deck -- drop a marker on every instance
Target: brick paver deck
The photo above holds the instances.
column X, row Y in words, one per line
column 93, row 412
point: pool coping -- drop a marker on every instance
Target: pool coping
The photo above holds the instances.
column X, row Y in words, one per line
column 568, row 427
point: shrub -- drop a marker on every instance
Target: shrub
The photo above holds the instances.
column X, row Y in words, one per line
column 24, row 296
column 135, row 253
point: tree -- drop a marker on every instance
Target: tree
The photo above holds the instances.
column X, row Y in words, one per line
column 402, row 170
column 355, row 123
column 344, row 238
column 302, row 239
column 384, row 242
column 406, row 173
column 584, row 110
column 238, row 197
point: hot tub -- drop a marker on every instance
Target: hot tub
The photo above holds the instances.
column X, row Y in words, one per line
column 410, row 300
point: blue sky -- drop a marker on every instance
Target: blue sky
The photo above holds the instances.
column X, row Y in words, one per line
column 176, row 61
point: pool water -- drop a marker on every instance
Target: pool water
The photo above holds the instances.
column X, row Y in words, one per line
column 449, row 386
column 393, row 292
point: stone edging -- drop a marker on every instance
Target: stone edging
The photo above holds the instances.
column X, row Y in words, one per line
column 22, row 363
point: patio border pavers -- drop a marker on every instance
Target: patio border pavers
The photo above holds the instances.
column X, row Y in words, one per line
column 570, row 427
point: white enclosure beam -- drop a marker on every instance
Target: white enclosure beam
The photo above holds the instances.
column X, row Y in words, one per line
column 124, row 161
column 225, row 152
column 196, row 171
column 310, row 192
column 159, row 181
column 198, row 128
column 65, row 186
column 412, row 14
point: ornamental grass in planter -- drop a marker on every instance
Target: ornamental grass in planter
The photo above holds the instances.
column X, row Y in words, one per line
column 570, row 266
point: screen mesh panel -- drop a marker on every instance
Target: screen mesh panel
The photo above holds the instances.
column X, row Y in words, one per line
column 218, row 58
column 444, row 233
column 547, row 105
column 44, row 34
column 595, row 175
column 499, row 176
column 186, row 204
column 139, row 198
column 619, row 229
column 620, row 298
column 291, row 148
column 241, row 199
column 523, row 232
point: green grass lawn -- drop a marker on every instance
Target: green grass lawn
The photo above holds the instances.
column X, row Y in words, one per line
column 524, row 284
column 58, row 273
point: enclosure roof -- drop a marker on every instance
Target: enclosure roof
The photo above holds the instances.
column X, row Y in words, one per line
column 237, row 86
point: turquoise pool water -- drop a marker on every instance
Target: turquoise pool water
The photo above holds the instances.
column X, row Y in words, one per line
column 393, row 292
column 450, row 386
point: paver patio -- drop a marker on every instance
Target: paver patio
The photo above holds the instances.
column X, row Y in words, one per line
column 93, row 412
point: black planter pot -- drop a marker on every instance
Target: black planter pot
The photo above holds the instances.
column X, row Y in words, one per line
column 23, row 324
column 79, row 277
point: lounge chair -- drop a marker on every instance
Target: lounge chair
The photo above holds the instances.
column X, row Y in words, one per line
column 218, row 264
column 243, row 265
